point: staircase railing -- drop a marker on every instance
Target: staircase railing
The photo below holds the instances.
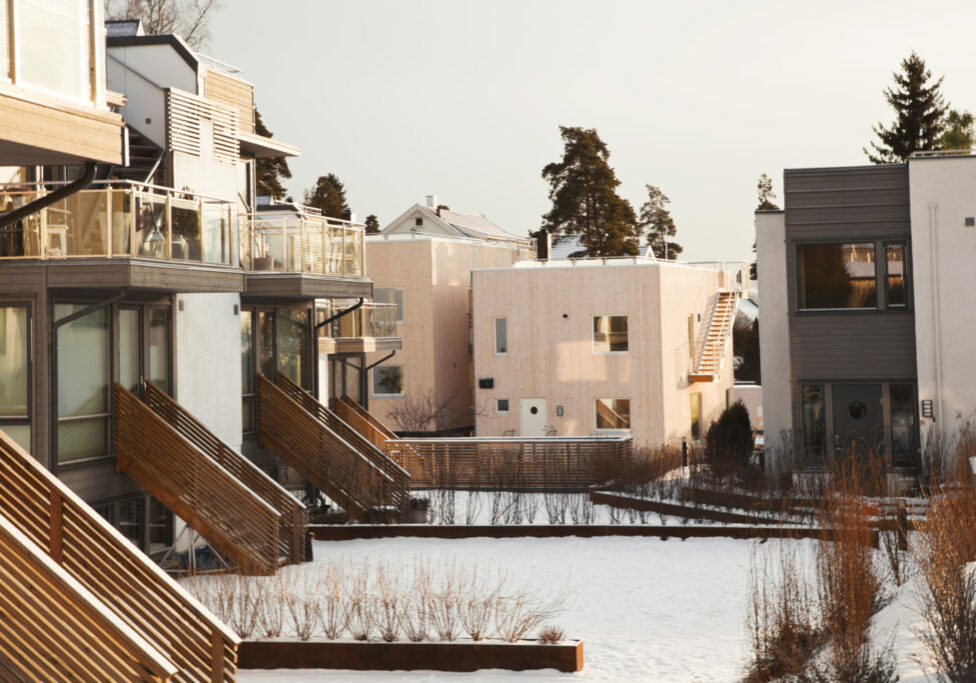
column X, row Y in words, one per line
column 235, row 521
column 294, row 517
column 97, row 556
column 322, row 456
column 357, row 417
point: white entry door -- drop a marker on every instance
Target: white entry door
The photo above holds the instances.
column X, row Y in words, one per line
column 533, row 417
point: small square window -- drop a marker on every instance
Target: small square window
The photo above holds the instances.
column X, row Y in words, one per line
column 388, row 380
column 613, row 413
column 610, row 334
column 418, row 221
column 501, row 406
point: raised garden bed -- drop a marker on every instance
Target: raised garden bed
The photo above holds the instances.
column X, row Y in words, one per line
column 454, row 656
column 621, row 500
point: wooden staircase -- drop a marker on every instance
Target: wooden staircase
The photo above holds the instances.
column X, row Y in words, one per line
column 708, row 360
column 328, row 453
column 80, row 602
column 294, row 517
column 212, row 501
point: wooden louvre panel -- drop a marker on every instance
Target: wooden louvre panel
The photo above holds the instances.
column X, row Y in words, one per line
column 186, row 114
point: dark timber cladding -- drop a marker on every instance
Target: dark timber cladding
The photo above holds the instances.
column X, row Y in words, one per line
column 860, row 204
column 305, row 286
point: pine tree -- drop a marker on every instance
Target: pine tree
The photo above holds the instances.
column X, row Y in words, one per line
column 268, row 172
column 329, row 196
column 764, row 190
column 372, row 225
column 959, row 133
column 583, row 191
column 919, row 111
column 656, row 219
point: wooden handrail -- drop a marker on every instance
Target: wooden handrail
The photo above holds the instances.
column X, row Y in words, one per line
column 99, row 558
column 322, row 456
column 294, row 517
column 56, row 629
column 202, row 493
column 364, row 421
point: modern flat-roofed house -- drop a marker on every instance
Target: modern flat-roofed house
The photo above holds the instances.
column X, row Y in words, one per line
column 601, row 346
column 867, row 268
column 422, row 263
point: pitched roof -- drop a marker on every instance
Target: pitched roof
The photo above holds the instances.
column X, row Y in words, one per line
column 570, row 244
column 473, row 225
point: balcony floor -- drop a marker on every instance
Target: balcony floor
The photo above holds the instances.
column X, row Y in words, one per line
column 275, row 285
column 327, row 345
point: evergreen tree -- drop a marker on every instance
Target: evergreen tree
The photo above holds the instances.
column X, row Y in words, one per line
column 958, row 133
column 268, row 172
column 372, row 225
column 919, row 115
column 583, row 191
column 329, row 196
column 656, row 220
column 764, row 190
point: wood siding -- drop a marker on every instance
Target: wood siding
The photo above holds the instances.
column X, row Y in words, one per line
column 234, row 93
column 305, row 286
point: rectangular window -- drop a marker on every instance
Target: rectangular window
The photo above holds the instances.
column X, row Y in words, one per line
column 610, row 334
column 388, row 380
column 903, row 424
column 292, row 344
column 501, row 406
column 247, row 371
column 53, row 45
column 696, row 416
column 15, row 374
column 895, row 274
column 83, row 372
column 390, row 295
column 501, row 336
column 832, row 276
column 813, row 410
column 613, row 413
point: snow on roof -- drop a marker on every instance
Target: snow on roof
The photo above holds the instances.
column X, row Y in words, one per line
column 473, row 225
column 115, row 28
column 570, row 244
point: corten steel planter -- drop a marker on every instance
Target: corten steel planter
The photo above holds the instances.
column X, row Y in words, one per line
column 453, row 656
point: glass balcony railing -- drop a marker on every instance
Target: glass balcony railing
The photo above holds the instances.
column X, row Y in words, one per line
column 119, row 219
column 301, row 243
column 369, row 321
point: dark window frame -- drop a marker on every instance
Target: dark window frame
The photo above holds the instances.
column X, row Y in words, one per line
column 20, row 420
column 906, row 280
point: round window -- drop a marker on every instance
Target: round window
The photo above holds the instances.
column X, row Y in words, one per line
column 533, row 410
column 857, row 409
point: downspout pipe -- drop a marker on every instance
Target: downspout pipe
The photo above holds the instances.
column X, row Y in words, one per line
column 55, row 326
column 381, row 360
column 338, row 315
column 33, row 207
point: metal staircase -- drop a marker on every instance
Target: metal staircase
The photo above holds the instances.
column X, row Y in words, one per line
column 711, row 351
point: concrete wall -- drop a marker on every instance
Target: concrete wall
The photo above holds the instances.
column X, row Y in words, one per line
column 774, row 339
column 550, row 346
column 943, row 247
column 208, row 362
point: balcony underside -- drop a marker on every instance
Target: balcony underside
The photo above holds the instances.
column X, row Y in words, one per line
column 305, row 286
column 116, row 272
column 359, row 345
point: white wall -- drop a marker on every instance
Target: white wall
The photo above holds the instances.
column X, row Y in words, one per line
column 774, row 339
column 943, row 195
column 208, row 362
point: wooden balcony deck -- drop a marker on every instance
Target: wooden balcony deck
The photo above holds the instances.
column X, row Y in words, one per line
column 212, row 501
column 86, row 548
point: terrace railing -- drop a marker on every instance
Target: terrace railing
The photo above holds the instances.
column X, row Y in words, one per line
column 120, row 218
column 371, row 320
column 47, row 514
column 294, row 517
column 211, row 500
column 302, row 243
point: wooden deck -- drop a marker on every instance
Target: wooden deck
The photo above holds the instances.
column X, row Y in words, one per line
column 89, row 553
column 212, row 501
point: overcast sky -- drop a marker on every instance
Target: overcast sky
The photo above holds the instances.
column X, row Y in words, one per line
column 463, row 98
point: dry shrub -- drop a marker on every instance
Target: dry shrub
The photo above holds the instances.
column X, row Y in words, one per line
column 551, row 635
column 519, row 614
column 444, row 603
column 332, row 607
column 388, row 602
column 473, row 506
column 360, row 604
column 415, row 615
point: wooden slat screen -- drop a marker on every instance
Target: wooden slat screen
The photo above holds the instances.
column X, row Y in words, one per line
column 207, row 497
column 399, row 476
column 294, row 517
column 127, row 582
column 320, row 455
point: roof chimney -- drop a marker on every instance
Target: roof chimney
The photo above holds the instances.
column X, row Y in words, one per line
column 543, row 245
column 431, row 201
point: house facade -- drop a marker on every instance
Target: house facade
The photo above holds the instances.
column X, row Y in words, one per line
column 864, row 266
column 422, row 264
column 594, row 346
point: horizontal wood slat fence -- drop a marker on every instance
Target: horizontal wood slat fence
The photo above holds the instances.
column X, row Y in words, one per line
column 126, row 582
column 294, row 517
column 211, row 500
column 333, row 465
column 491, row 462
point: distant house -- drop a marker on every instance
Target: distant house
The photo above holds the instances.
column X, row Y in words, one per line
column 422, row 263
column 571, row 246
column 868, row 267
column 593, row 346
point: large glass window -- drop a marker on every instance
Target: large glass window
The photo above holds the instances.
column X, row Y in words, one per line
column 390, row 295
column 130, row 340
column 83, row 384
column 613, row 413
column 813, row 410
column 836, row 276
column 388, row 380
column 247, row 371
column 293, row 344
column 501, row 336
column 696, row 416
column 895, row 273
column 53, row 43
column 610, row 334
column 15, row 374
column 903, row 424
column 266, row 338
column 159, row 348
